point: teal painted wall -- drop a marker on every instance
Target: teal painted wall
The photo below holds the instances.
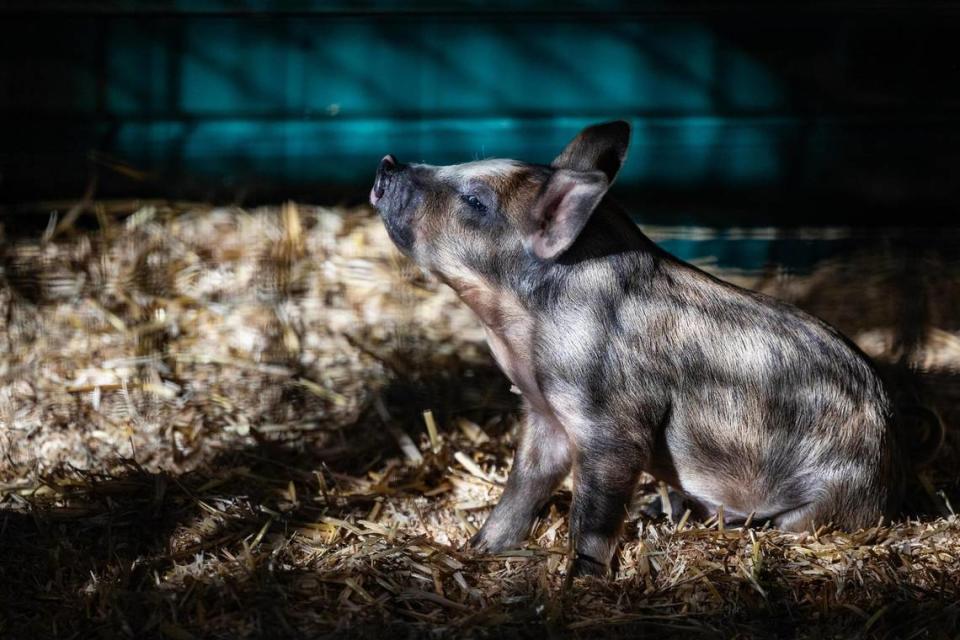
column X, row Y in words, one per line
column 734, row 106
column 308, row 99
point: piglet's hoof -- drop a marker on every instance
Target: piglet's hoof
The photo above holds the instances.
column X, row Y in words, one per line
column 498, row 534
column 477, row 543
column 482, row 542
column 587, row 566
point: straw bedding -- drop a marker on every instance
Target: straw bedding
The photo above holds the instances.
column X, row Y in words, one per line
column 225, row 423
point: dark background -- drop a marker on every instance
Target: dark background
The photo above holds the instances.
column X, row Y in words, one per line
column 757, row 113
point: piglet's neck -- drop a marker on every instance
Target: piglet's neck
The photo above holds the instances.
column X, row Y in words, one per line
column 510, row 330
column 497, row 306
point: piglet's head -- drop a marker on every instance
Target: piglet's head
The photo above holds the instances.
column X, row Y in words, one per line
column 488, row 217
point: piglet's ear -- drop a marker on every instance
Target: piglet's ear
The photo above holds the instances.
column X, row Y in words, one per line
column 601, row 147
column 562, row 210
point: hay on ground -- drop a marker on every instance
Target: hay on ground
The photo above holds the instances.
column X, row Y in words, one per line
column 212, row 425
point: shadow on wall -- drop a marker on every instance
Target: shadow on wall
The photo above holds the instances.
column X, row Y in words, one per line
column 773, row 109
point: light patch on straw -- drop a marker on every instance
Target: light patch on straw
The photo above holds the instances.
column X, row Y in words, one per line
column 665, row 500
column 467, row 463
column 432, row 430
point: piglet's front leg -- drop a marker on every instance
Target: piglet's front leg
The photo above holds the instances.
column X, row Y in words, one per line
column 541, row 463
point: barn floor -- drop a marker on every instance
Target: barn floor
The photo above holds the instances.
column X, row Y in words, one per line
column 212, row 425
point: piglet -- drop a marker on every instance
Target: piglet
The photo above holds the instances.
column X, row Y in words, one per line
column 630, row 360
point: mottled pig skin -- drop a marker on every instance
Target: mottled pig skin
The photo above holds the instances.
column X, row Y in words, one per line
column 631, row 360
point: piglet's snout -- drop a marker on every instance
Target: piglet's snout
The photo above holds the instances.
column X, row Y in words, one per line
column 386, row 171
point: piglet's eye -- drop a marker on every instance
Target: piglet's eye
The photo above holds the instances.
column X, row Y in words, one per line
column 474, row 203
